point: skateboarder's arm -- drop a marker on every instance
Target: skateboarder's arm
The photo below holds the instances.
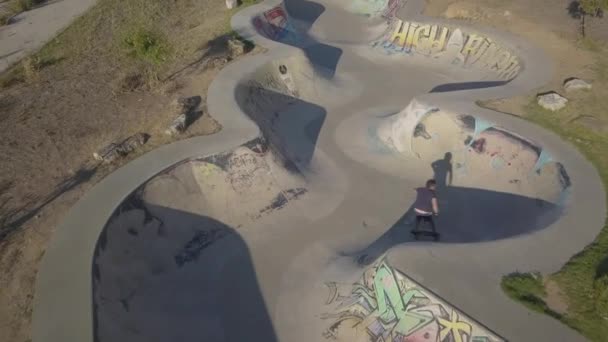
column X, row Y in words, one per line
column 435, row 205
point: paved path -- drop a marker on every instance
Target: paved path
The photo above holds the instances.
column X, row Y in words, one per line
column 32, row 29
column 290, row 258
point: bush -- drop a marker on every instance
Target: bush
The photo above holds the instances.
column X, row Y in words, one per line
column 147, row 45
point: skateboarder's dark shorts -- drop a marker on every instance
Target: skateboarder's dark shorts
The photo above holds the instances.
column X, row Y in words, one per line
column 427, row 220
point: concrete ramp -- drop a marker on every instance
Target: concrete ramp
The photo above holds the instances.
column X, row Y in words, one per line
column 293, row 223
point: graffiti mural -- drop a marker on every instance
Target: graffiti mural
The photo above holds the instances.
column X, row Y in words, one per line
column 385, row 305
column 275, row 25
column 449, row 45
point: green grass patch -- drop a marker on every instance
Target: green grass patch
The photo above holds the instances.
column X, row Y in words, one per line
column 528, row 289
column 146, row 45
column 584, row 279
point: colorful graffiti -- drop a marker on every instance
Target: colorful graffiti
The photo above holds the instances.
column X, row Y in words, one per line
column 275, row 25
column 377, row 8
column 385, row 305
column 450, row 45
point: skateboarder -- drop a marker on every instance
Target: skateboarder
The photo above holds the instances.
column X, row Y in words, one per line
column 426, row 205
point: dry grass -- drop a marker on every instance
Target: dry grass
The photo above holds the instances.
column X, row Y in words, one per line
column 104, row 78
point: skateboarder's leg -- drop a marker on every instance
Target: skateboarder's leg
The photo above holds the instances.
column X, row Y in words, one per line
column 419, row 220
column 432, row 223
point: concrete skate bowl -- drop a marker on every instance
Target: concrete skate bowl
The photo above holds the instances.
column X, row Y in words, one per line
column 165, row 259
column 322, row 143
column 485, row 59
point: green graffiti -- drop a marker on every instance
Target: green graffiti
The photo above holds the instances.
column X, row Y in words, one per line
column 387, row 289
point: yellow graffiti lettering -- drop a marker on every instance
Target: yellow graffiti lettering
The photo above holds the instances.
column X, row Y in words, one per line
column 434, row 43
column 501, row 60
column 473, row 48
column 400, row 33
column 423, row 31
column 410, row 35
column 455, row 327
column 488, row 56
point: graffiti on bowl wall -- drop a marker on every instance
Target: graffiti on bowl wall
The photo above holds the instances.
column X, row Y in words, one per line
column 450, row 45
column 385, row 305
column 275, row 25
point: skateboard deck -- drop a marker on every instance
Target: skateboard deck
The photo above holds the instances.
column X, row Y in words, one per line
column 418, row 233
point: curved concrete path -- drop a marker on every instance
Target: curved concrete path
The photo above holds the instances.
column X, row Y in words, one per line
column 30, row 30
column 360, row 224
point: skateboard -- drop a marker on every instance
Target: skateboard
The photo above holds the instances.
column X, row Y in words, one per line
column 418, row 233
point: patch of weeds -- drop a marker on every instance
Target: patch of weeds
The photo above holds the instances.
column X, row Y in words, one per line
column 25, row 5
column 590, row 44
column 12, row 77
column 32, row 65
column 600, row 68
column 6, row 15
column 147, row 45
column 528, row 289
column 130, row 82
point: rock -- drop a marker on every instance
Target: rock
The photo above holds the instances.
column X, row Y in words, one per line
column 230, row 4
column 187, row 104
column 113, row 151
column 178, row 125
column 236, row 48
column 219, row 62
column 107, row 153
column 132, row 143
column 576, row 84
column 551, row 101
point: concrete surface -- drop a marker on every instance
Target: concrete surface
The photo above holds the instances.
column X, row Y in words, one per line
column 292, row 223
column 30, row 30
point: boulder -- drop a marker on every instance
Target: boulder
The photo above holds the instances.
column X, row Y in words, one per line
column 236, row 48
column 551, row 101
column 178, row 125
column 574, row 83
column 113, row 151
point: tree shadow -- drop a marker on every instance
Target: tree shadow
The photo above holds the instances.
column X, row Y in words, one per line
column 217, row 49
column 161, row 274
column 290, row 125
column 11, row 219
column 575, row 10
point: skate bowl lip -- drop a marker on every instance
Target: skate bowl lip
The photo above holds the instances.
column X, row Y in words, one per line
column 64, row 281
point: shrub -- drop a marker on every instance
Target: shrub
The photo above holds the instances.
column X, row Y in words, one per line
column 147, row 45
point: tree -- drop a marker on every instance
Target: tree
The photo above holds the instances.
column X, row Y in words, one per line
column 587, row 8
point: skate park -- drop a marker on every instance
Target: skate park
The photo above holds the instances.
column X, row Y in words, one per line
column 279, row 227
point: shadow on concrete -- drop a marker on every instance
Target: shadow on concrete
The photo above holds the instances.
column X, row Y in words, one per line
column 443, row 171
column 169, row 275
column 323, row 57
column 444, row 88
column 290, row 125
column 470, row 215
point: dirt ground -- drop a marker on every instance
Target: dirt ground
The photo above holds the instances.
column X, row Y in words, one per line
column 52, row 124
